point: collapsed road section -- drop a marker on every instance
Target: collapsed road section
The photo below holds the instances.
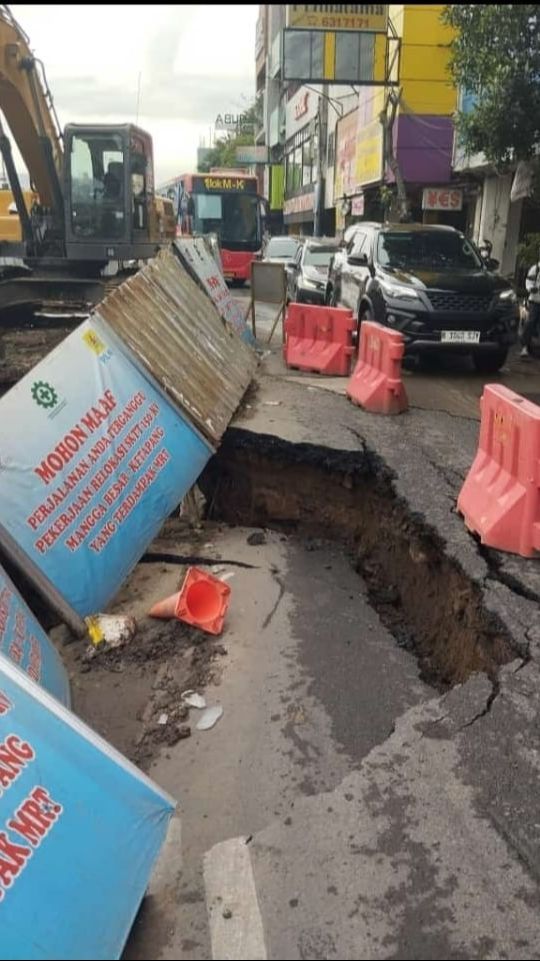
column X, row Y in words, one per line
column 430, row 605
column 428, row 848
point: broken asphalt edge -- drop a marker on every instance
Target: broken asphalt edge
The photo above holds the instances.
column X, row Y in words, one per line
column 482, row 719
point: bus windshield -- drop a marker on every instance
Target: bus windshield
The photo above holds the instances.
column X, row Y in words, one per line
column 234, row 217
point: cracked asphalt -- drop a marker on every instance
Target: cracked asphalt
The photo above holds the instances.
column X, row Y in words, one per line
column 430, row 847
column 342, row 808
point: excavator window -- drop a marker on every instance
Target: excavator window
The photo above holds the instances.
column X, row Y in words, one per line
column 97, row 166
column 139, row 187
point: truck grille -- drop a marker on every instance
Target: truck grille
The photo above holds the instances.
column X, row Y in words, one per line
column 450, row 302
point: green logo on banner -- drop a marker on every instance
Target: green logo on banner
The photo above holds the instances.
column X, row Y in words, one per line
column 44, row 395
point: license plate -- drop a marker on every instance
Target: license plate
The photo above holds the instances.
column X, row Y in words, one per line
column 460, row 336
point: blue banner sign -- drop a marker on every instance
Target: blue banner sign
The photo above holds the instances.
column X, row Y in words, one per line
column 24, row 641
column 81, row 829
column 196, row 256
column 93, row 460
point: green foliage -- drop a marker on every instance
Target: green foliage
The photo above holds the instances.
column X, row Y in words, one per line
column 529, row 250
column 496, row 56
column 386, row 196
column 223, row 153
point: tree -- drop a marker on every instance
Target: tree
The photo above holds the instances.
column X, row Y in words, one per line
column 496, row 57
column 223, row 153
column 388, row 120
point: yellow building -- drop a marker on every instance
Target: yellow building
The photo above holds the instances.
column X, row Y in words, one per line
column 423, row 131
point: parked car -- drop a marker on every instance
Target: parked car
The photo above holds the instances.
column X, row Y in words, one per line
column 430, row 283
column 281, row 250
column 307, row 279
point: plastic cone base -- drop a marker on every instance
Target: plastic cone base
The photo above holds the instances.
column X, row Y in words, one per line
column 166, row 609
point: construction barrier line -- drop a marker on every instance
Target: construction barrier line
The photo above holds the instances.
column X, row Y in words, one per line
column 319, row 339
column 500, row 499
column 376, row 383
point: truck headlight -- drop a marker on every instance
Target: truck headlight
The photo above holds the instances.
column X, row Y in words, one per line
column 398, row 291
column 508, row 296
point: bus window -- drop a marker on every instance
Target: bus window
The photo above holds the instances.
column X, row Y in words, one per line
column 240, row 218
column 208, row 207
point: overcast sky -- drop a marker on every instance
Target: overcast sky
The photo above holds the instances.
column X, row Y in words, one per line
column 194, row 62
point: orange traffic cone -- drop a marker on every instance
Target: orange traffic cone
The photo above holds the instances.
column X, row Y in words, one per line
column 166, row 609
column 202, row 601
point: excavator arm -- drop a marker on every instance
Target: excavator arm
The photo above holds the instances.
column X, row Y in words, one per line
column 27, row 105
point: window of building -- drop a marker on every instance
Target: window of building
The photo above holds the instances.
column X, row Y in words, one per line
column 303, row 55
column 307, row 162
column 297, row 175
column 354, row 56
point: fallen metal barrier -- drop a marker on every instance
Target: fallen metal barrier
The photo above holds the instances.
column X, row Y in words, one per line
column 196, row 256
column 101, row 441
column 177, row 335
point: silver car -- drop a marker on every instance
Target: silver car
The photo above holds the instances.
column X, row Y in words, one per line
column 307, row 279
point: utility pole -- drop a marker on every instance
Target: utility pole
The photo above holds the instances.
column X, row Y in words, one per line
column 318, row 200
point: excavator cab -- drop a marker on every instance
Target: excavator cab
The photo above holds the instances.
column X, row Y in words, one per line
column 109, row 202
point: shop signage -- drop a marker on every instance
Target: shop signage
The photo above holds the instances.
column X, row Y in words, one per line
column 298, row 205
column 369, row 152
column 302, row 107
column 372, row 18
column 357, row 208
column 345, row 173
column 232, row 121
column 252, row 154
column 300, row 110
column 441, row 198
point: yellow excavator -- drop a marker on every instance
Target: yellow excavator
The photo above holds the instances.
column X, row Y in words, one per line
column 91, row 201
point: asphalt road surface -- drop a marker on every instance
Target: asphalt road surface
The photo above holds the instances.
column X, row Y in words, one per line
column 448, row 384
column 343, row 807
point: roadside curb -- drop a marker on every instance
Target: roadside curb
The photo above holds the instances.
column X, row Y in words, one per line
column 234, row 916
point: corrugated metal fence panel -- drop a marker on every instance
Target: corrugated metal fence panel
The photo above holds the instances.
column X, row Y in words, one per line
column 176, row 332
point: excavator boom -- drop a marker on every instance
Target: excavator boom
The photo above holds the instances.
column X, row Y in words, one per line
column 27, row 105
column 96, row 204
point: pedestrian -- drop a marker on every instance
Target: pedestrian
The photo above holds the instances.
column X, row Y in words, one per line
column 185, row 210
column 530, row 327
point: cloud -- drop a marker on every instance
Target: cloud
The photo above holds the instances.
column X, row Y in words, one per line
column 197, row 98
column 195, row 61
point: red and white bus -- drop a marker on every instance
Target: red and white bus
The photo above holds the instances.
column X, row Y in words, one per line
column 224, row 202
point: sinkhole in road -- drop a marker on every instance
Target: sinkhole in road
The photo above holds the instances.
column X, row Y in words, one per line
column 422, row 596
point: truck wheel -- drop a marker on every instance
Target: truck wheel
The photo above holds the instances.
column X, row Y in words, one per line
column 490, row 363
column 364, row 313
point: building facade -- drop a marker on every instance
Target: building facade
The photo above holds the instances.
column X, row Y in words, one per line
column 329, row 144
column 329, row 139
column 422, row 134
